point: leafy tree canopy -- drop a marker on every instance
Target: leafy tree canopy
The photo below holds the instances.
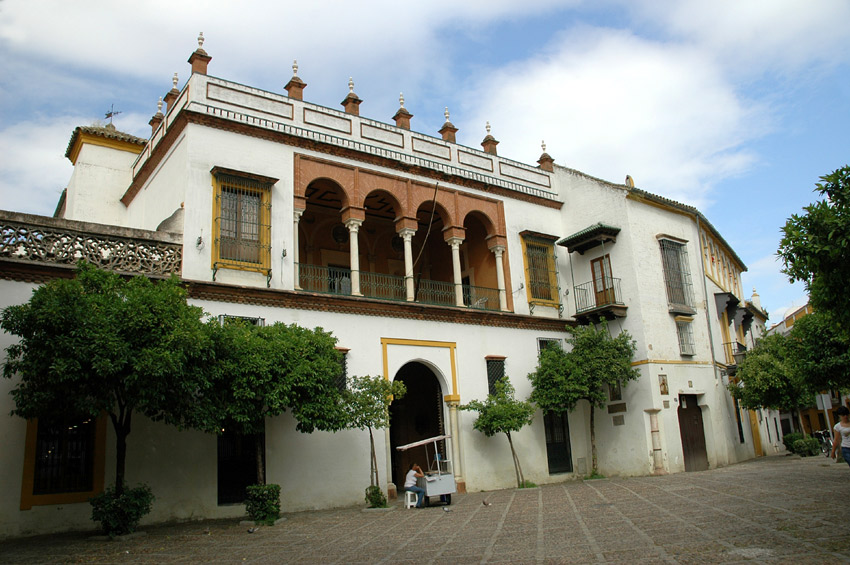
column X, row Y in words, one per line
column 822, row 355
column 815, row 248
column 102, row 343
column 562, row 378
column 768, row 376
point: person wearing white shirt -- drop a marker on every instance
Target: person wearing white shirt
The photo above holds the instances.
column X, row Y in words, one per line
column 413, row 473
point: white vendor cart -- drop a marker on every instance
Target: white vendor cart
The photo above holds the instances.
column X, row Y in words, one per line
column 439, row 479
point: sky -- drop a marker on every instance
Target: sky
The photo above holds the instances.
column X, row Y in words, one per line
column 736, row 107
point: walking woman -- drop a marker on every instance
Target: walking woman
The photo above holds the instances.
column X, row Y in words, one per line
column 841, row 434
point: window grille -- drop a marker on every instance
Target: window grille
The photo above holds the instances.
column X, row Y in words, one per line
column 242, row 223
column 541, row 277
column 495, row 371
column 686, row 338
column 251, row 321
column 64, row 460
column 677, row 276
column 545, row 342
column 342, row 377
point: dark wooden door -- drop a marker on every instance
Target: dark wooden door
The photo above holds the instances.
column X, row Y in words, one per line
column 237, row 465
column 603, row 284
column 693, row 434
column 558, row 443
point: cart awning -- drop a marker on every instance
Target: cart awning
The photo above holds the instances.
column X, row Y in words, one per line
column 421, row 442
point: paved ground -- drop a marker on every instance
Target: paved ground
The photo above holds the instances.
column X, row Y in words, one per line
column 771, row 510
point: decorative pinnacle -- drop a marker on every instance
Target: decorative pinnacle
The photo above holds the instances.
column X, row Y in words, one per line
column 295, row 67
column 350, row 85
column 201, row 40
column 487, row 127
column 401, row 99
column 174, row 81
column 159, row 106
column 543, row 145
column 446, row 113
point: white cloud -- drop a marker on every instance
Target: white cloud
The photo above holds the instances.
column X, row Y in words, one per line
column 610, row 103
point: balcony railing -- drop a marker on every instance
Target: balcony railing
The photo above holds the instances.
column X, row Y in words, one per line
column 604, row 291
column 735, row 352
column 337, row 280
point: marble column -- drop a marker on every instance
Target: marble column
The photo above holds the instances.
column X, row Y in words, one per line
column 498, row 251
column 407, row 235
column 295, row 258
column 458, row 280
column 353, row 226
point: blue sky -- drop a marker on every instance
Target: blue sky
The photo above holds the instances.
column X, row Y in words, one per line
column 734, row 106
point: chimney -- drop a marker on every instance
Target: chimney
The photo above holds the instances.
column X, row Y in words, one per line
column 157, row 118
column 351, row 103
column 756, row 299
column 489, row 144
column 448, row 130
column 546, row 162
column 295, row 86
column 402, row 117
column 199, row 58
column 172, row 94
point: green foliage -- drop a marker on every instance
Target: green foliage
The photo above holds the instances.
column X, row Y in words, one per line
column 562, row 378
column 789, row 439
column 375, row 497
column 262, row 371
column 821, row 352
column 815, row 248
column 502, row 413
column 596, row 361
column 262, row 502
column 102, row 343
column 594, row 474
column 119, row 514
column 367, row 401
column 528, row 484
column 768, row 377
column 806, row 447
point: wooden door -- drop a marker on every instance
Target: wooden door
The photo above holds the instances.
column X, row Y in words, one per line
column 692, row 433
column 603, row 284
column 754, row 426
column 558, row 449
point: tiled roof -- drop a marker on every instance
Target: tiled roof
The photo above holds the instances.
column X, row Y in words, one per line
column 108, row 131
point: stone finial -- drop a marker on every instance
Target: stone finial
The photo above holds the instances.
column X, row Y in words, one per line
column 489, row 144
column 172, row 94
column 157, row 118
column 295, row 86
column 546, row 162
column 351, row 103
column 402, row 116
column 199, row 58
column 174, row 81
column 448, row 130
column 159, row 106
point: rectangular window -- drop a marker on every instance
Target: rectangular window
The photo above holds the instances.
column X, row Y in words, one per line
column 677, row 276
column 540, row 274
column 686, row 337
column 63, row 461
column 495, row 371
column 251, row 321
column 342, row 377
column 242, row 221
column 544, row 342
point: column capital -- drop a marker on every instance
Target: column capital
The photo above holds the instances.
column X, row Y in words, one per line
column 454, row 241
column 353, row 224
column 498, row 250
column 406, row 233
column 296, row 214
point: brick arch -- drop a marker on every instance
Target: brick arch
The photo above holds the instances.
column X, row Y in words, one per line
column 309, row 171
column 423, row 194
column 486, row 221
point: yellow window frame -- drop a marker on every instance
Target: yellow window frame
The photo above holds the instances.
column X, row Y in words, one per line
column 224, row 180
column 550, row 265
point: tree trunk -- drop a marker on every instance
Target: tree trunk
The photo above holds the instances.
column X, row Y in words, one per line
column 373, row 462
column 800, row 420
column 517, row 468
column 593, row 459
column 261, row 471
column 121, row 424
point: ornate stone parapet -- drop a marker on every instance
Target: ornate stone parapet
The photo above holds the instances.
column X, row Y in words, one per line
column 31, row 238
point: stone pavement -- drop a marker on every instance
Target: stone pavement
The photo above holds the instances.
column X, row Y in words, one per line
column 770, row 510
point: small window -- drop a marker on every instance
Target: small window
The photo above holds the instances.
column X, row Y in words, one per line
column 249, row 320
column 677, row 275
column 686, row 337
column 546, row 342
column 495, row 371
column 242, row 221
column 64, row 456
column 615, row 392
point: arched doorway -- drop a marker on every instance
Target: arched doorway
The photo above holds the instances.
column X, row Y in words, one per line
column 418, row 415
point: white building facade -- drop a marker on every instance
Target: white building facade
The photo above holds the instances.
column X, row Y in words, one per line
column 433, row 263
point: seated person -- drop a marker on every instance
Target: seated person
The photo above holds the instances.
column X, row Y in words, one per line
column 413, row 473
